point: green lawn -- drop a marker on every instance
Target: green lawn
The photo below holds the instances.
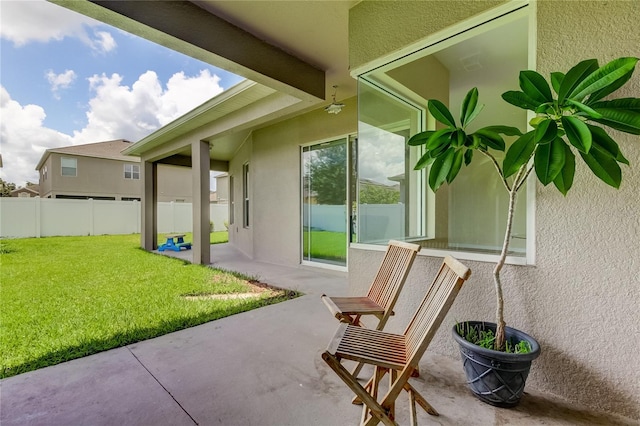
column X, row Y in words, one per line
column 326, row 245
column 68, row 297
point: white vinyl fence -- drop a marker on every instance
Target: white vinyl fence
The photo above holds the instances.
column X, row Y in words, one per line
column 46, row 217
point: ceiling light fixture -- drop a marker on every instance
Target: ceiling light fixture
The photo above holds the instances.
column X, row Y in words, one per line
column 334, row 107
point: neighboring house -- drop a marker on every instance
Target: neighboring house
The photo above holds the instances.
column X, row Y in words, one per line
column 573, row 274
column 30, row 190
column 101, row 172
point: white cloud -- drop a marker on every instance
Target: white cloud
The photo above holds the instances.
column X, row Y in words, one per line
column 60, row 81
column 24, row 139
column 185, row 93
column 23, row 22
column 116, row 111
column 103, row 42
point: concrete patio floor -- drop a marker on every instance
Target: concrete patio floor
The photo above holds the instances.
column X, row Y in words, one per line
column 261, row 367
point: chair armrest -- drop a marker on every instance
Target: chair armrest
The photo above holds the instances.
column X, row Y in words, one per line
column 335, row 310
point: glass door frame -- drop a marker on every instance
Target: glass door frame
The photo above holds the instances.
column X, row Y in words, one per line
column 348, row 139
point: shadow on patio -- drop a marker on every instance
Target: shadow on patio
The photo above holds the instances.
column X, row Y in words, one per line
column 261, row 367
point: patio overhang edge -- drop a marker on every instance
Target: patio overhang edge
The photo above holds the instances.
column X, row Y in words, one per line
column 187, row 123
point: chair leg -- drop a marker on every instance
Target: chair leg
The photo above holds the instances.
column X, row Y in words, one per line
column 413, row 416
column 356, row 371
column 372, row 388
column 379, row 414
column 368, row 387
column 420, row 400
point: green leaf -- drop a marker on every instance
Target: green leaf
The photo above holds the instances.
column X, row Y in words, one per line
column 504, row 130
column 535, row 86
column 549, row 160
column 599, row 94
column 521, row 100
column 438, row 138
column 468, row 156
column 441, row 113
column 518, row 154
column 564, row 180
column 440, row 169
column 436, row 152
column 420, row 138
column 491, row 139
column 424, row 161
column 605, row 144
column 575, row 76
column 621, row 114
column 546, row 131
column 604, row 167
column 470, row 108
column 603, row 77
column 458, row 137
column 458, row 157
column 577, row 132
column 592, row 113
column 627, row 104
column 556, row 80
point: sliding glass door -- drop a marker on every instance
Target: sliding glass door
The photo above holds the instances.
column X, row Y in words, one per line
column 324, row 203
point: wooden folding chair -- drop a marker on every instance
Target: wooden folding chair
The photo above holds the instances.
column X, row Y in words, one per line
column 383, row 293
column 395, row 354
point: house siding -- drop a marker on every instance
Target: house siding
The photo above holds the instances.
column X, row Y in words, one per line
column 580, row 299
column 102, row 177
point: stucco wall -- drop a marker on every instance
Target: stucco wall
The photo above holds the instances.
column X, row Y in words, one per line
column 276, row 178
column 377, row 28
column 239, row 236
column 580, row 299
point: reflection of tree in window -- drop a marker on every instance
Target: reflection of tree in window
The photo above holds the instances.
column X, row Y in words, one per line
column 376, row 193
column 328, row 174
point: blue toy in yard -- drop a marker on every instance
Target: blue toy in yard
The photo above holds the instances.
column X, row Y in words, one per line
column 175, row 242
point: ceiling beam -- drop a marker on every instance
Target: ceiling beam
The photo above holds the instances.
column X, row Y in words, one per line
column 187, row 28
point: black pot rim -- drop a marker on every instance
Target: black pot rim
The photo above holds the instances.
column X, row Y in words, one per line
column 500, row 356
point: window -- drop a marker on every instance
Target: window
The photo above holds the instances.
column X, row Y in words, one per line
column 245, row 195
column 231, row 201
column 44, row 173
column 394, row 201
column 69, row 166
column 132, row 171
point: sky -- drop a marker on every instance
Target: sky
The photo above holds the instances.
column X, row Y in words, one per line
column 66, row 79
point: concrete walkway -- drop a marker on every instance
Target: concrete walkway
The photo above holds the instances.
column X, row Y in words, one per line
column 261, row 367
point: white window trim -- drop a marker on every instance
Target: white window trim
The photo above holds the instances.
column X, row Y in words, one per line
column 75, row 168
column 133, row 166
column 246, row 195
column 442, row 39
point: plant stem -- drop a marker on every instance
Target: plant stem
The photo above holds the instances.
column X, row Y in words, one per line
column 497, row 166
column 513, row 192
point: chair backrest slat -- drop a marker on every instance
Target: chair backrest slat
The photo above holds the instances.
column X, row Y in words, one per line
column 392, row 273
column 434, row 308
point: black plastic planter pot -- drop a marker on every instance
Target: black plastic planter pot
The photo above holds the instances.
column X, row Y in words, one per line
column 497, row 378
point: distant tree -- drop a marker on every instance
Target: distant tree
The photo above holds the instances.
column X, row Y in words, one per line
column 328, row 175
column 6, row 188
column 376, row 194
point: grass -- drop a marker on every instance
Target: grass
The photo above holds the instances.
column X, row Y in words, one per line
column 326, row 245
column 67, row 297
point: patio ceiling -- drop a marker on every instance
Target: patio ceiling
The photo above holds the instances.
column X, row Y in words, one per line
column 296, row 50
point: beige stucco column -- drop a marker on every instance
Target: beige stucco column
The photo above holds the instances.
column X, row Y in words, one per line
column 200, row 171
column 149, row 225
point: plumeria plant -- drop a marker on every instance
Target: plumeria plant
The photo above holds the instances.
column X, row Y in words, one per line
column 573, row 120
